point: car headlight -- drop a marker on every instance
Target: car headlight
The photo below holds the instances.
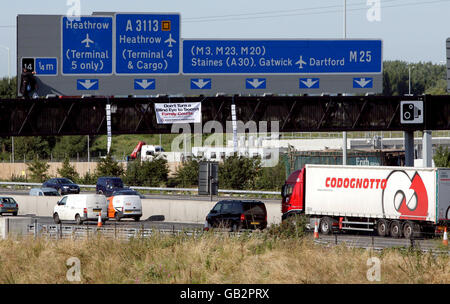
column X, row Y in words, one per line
column 65, row 187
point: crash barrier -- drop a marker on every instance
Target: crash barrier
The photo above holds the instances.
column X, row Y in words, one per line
column 14, row 225
column 60, row 231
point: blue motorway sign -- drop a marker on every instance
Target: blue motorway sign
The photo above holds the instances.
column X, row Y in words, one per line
column 147, row 43
column 87, row 46
column 46, row 66
column 281, row 56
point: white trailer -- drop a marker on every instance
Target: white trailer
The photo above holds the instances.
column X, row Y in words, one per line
column 396, row 201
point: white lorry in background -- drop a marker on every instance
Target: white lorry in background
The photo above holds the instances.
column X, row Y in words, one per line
column 148, row 152
column 80, row 208
column 393, row 201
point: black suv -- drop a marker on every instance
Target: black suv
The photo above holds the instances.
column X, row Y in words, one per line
column 238, row 214
column 62, row 185
column 107, row 185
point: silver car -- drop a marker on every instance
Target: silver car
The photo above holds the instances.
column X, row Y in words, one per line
column 8, row 205
column 44, row 192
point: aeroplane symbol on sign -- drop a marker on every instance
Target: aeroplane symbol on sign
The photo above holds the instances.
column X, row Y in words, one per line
column 300, row 62
column 87, row 41
column 170, row 40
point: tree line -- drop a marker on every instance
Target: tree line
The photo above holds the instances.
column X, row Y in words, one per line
column 235, row 172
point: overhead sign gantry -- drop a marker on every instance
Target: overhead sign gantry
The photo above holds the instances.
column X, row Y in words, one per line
column 144, row 54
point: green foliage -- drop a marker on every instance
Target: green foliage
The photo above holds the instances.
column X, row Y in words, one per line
column 238, row 172
column 68, row 171
column 442, row 157
column 70, row 146
column 426, row 77
column 38, row 170
column 294, row 226
column 87, row 179
column 187, row 174
column 8, row 89
column 272, row 178
column 147, row 173
column 32, row 146
column 109, row 167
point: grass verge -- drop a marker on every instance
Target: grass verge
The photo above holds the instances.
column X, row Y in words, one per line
column 210, row 258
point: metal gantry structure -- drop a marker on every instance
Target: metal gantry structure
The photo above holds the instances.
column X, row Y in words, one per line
column 87, row 116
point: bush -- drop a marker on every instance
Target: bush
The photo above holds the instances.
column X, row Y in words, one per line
column 294, row 226
column 38, row 170
column 88, row 179
column 147, row 173
column 68, row 171
column 238, row 172
column 109, row 167
column 187, row 174
column 272, row 178
column 442, row 157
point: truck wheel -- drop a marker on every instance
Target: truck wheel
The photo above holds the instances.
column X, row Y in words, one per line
column 325, row 225
column 137, row 218
column 396, row 229
column 117, row 216
column 382, row 227
column 408, row 230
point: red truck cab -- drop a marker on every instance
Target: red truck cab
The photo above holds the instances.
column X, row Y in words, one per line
column 293, row 194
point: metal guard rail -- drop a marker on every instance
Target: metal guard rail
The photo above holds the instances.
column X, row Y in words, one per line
column 154, row 188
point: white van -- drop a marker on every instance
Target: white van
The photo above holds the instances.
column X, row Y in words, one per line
column 80, row 208
column 125, row 206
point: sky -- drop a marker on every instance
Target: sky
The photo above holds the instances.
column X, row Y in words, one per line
column 411, row 30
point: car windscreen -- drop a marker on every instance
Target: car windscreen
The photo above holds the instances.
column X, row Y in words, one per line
column 65, row 181
column 128, row 192
column 51, row 193
column 254, row 208
column 116, row 183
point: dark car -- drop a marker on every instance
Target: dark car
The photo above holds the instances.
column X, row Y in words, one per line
column 127, row 191
column 108, row 185
column 62, row 185
column 8, row 205
column 238, row 214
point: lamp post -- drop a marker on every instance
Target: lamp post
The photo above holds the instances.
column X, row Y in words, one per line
column 344, row 134
column 9, row 62
column 409, row 79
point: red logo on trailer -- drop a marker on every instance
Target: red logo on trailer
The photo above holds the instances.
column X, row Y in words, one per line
column 406, row 196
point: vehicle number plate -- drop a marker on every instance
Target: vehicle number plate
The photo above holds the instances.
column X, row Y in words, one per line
column 255, row 223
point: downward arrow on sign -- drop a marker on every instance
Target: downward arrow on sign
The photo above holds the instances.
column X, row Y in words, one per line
column 255, row 82
column 309, row 82
column 144, row 83
column 363, row 82
column 200, row 83
column 87, row 84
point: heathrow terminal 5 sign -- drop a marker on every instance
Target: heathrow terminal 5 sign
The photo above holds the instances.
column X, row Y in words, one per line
column 143, row 54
